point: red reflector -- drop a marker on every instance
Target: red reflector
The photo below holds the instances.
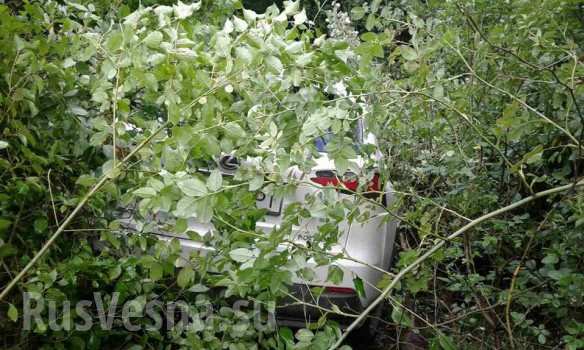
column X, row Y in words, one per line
column 351, row 185
column 339, row 290
column 325, row 180
column 374, row 184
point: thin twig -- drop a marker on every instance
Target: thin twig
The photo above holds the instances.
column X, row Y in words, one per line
column 115, row 118
column 316, row 306
column 52, row 198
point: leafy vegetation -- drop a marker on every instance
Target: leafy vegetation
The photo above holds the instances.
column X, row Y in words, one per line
column 475, row 105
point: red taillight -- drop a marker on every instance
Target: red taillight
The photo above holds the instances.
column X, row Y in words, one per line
column 335, row 181
column 374, row 184
column 326, row 178
column 339, row 290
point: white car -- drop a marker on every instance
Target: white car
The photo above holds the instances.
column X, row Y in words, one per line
column 368, row 246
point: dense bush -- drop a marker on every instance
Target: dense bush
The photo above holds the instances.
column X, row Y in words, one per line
column 479, row 105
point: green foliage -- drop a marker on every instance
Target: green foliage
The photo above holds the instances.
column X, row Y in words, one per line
column 482, row 107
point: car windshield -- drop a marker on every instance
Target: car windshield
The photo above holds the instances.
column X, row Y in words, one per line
column 357, row 137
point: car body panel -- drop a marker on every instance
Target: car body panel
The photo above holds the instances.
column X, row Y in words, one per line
column 367, row 246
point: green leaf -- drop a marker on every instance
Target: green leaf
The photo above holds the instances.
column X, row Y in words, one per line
column 235, row 131
column 300, row 18
column 228, row 27
column 86, row 180
column 241, row 255
column 249, row 15
column 4, row 224
column 185, row 277
column 135, row 347
column 244, row 54
column 534, row 156
column 68, row 63
column 240, row 25
column 182, row 11
column 19, row 43
column 446, row 342
column 408, row 53
column 371, row 21
column 115, row 272
column 131, row 20
column 399, row 316
column 304, row 335
column 3, row 144
column 357, row 13
column 114, row 42
column 256, row 183
column 198, row 288
column 156, row 184
column 411, row 66
column 156, row 59
column 41, row 225
column 304, row 59
column 12, row 313
column 78, row 6
column 375, row 5
column 145, row 192
column 373, row 49
column 156, row 271
column 193, row 187
column 223, row 44
column 153, row 39
column 369, row 36
column 274, row 64
column 185, row 208
column 181, row 225
column 286, row 334
column 7, row 250
column 335, row 274
column 438, row 91
column 292, row 7
column 215, row 181
column 359, row 287
column 78, row 110
column 550, row 259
